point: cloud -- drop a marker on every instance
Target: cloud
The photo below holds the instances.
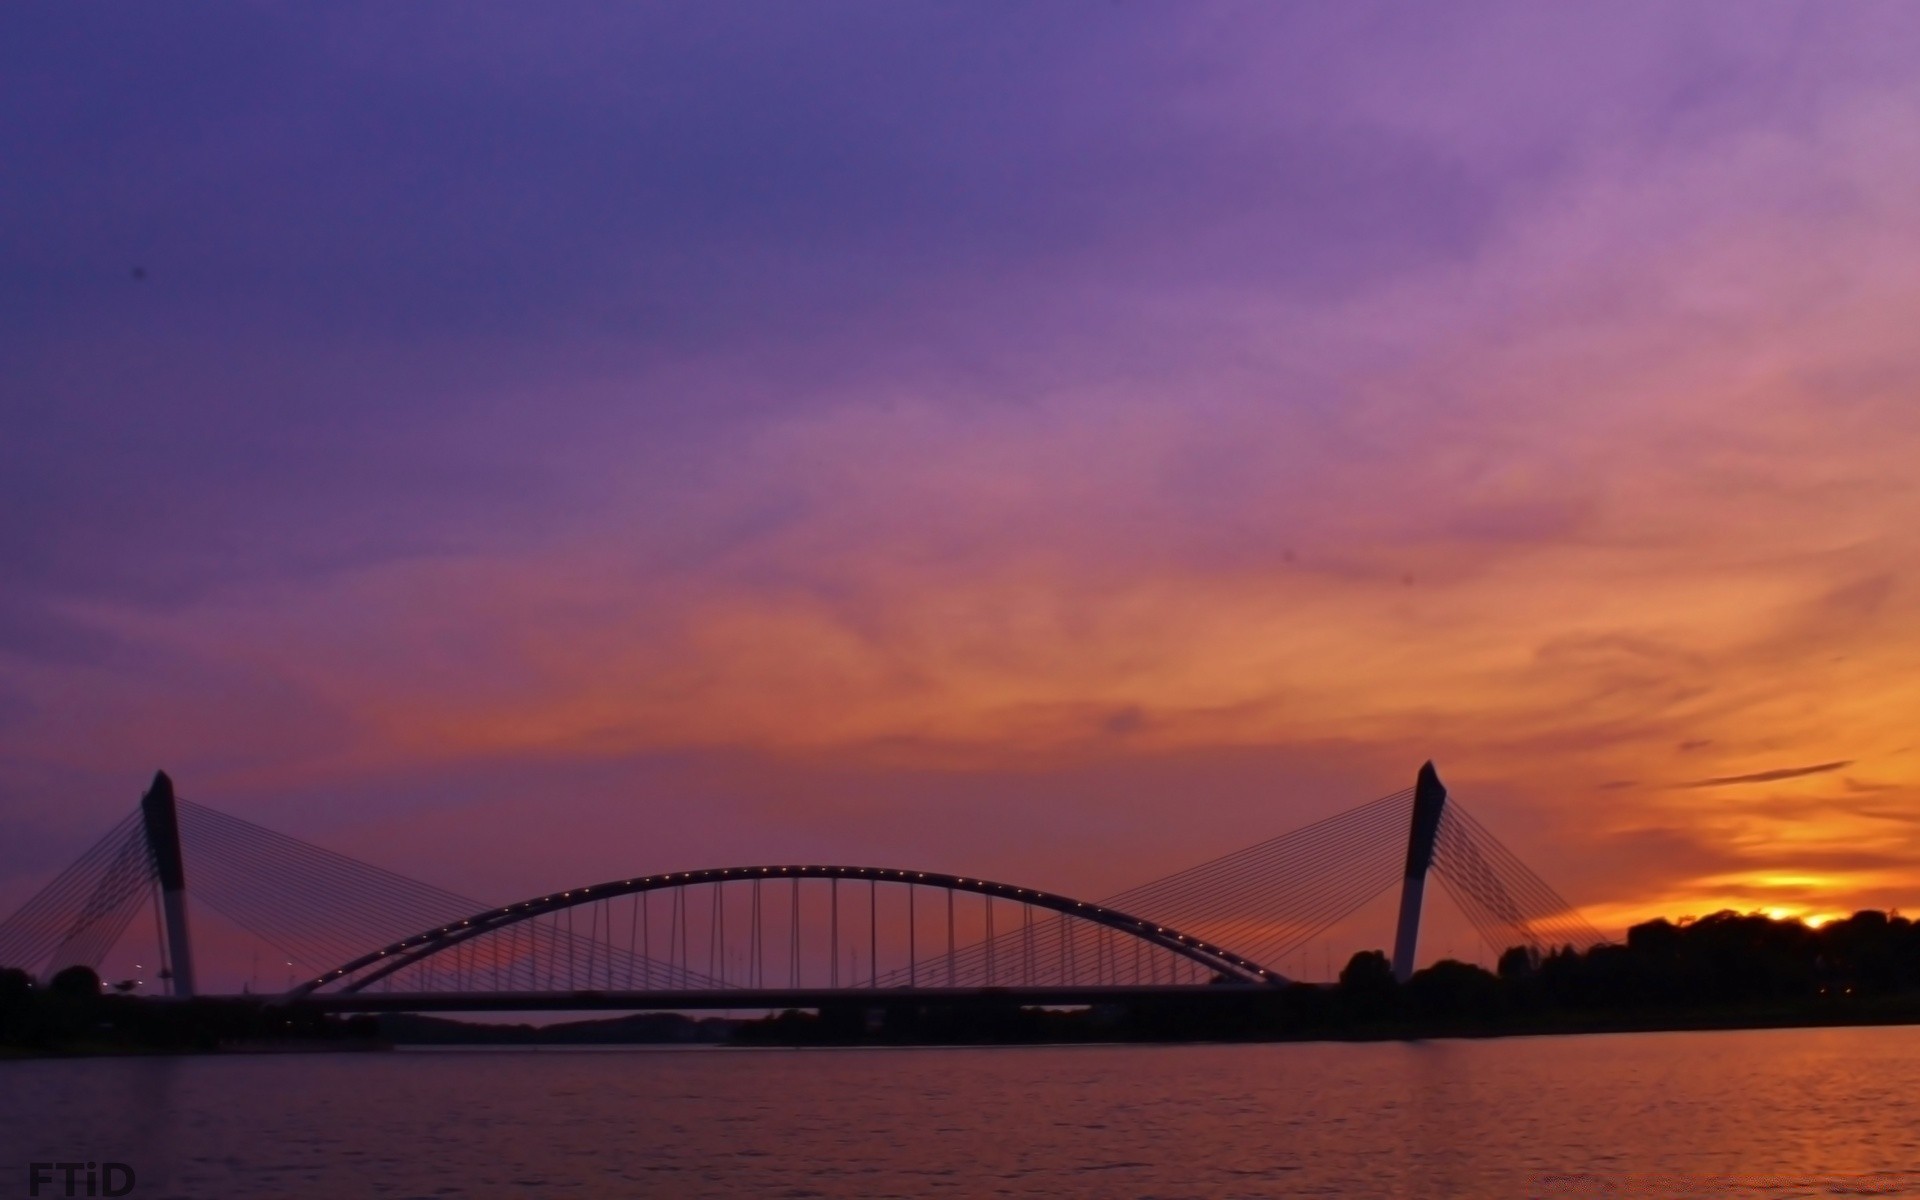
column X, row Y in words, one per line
column 1768, row 776
column 893, row 390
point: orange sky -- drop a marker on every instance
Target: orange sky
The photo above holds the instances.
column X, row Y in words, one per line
column 1078, row 564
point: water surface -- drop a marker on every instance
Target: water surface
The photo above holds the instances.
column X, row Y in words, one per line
column 1814, row 1112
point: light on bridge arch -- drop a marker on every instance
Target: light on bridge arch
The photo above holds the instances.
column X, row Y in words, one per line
column 1009, row 959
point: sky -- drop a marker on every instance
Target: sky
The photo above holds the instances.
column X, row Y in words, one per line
column 529, row 444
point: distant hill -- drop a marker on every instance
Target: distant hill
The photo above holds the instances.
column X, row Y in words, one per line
column 412, row 1029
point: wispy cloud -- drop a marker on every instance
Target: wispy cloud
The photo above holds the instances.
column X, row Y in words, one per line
column 1768, row 776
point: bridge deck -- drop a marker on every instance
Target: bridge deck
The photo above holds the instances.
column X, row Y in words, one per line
column 766, row 998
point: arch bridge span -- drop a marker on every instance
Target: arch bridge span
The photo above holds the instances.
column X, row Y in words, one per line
column 1211, row 960
column 798, row 939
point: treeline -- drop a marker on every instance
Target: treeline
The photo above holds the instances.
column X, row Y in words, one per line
column 72, row 1015
column 1727, row 969
column 1727, row 960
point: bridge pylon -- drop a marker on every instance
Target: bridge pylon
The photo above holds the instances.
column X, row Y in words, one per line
column 1429, row 802
column 162, row 821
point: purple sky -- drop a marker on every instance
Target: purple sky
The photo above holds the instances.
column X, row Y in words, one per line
column 1056, row 441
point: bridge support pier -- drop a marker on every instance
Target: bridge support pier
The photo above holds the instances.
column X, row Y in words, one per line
column 1429, row 801
column 162, row 822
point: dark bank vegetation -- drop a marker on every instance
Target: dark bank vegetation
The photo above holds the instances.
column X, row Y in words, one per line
column 71, row 1014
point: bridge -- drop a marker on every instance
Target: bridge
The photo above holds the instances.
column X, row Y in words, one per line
column 772, row 936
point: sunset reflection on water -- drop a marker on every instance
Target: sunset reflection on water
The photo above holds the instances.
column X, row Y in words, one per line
column 1757, row 1113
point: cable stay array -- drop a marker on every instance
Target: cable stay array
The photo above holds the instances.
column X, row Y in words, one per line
column 1507, row 904
column 84, row 910
column 1269, row 900
column 1264, row 901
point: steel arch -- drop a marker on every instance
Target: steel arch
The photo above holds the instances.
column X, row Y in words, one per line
column 407, row 951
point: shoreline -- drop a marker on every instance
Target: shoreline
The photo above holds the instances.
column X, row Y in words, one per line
column 1422, row 1032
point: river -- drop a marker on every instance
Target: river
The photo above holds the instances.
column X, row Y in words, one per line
column 1803, row 1112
